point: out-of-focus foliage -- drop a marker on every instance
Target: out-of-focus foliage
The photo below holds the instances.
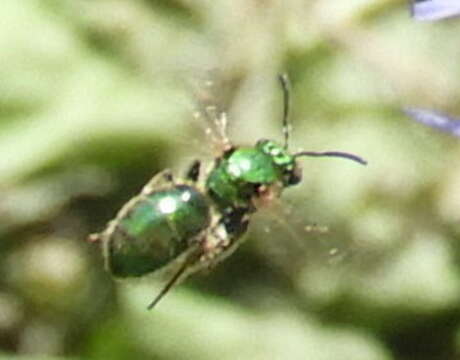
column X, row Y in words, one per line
column 96, row 97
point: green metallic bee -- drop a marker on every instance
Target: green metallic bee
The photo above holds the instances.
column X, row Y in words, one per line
column 196, row 222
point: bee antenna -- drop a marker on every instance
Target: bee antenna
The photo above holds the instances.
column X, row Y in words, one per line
column 284, row 80
column 333, row 154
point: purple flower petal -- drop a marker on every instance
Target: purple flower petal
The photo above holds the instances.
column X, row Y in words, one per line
column 435, row 120
column 431, row 10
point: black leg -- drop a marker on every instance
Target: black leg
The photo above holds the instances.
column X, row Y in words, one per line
column 193, row 171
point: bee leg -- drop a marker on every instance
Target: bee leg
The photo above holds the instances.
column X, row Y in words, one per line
column 214, row 244
column 93, row 238
column 224, row 237
column 193, row 172
column 164, row 177
column 184, row 270
column 169, row 284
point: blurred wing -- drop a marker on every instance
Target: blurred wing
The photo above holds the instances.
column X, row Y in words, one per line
column 432, row 10
column 213, row 93
column 435, row 119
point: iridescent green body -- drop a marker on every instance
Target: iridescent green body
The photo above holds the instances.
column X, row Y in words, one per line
column 238, row 176
column 154, row 228
column 198, row 222
column 162, row 222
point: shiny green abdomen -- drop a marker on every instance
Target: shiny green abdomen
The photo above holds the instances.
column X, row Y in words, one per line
column 155, row 229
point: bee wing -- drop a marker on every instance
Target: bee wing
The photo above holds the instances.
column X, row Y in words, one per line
column 213, row 93
column 432, row 10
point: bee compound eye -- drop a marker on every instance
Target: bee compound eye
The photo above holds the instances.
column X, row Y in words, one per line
column 294, row 177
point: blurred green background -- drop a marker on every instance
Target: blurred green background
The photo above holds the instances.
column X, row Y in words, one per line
column 356, row 263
